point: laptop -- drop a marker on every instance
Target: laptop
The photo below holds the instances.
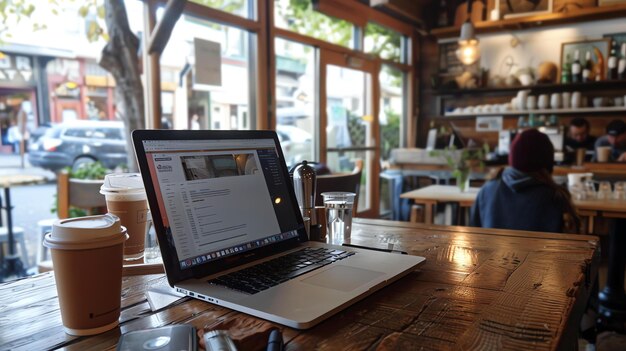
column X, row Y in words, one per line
column 231, row 232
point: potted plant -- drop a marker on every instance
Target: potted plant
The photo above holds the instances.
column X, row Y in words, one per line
column 462, row 161
column 84, row 183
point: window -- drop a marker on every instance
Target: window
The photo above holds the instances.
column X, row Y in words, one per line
column 299, row 16
column 190, row 101
column 235, row 7
column 295, row 99
column 392, row 106
column 383, row 42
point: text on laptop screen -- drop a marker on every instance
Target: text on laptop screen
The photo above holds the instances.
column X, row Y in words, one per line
column 221, row 197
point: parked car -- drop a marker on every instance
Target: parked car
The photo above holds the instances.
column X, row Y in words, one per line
column 77, row 142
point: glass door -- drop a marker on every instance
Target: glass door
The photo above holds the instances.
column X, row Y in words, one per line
column 349, row 129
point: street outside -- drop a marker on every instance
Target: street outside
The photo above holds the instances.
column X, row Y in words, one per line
column 31, row 203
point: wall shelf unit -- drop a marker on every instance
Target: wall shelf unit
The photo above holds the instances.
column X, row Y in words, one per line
column 561, row 111
column 449, row 99
column 537, row 89
column 551, row 19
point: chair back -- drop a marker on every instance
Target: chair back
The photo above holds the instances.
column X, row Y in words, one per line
column 79, row 193
column 340, row 182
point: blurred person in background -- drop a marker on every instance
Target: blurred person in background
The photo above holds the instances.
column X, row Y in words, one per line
column 524, row 196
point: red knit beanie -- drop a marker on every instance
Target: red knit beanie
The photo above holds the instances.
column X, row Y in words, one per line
column 531, row 151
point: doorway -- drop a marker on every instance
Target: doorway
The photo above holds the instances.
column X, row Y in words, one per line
column 349, row 126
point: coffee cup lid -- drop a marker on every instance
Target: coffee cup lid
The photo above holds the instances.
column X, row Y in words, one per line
column 118, row 183
column 88, row 228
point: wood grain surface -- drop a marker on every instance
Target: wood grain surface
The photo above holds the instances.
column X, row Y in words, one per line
column 479, row 289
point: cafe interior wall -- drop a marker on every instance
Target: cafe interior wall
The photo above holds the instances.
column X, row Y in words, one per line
column 539, row 44
column 534, row 47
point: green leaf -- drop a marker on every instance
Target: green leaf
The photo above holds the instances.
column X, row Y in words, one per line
column 83, row 11
column 101, row 12
column 93, row 32
column 29, row 10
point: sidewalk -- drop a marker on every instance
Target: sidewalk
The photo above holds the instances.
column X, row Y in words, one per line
column 12, row 164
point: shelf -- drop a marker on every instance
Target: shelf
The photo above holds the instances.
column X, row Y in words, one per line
column 605, row 84
column 582, row 15
column 539, row 112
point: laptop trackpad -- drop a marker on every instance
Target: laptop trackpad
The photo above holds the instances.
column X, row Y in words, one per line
column 342, row 278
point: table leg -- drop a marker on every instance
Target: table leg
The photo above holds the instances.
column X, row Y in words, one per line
column 612, row 297
column 428, row 213
column 12, row 265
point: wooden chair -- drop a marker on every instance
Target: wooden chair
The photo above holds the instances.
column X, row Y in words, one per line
column 79, row 193
column 340, row 182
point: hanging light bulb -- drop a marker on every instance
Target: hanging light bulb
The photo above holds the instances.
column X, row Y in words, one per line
column 468, row 51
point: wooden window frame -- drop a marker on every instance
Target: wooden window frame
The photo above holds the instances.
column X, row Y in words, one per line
column 266, row 32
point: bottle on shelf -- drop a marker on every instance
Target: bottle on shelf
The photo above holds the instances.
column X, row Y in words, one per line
column 541, row 122
column 531, row 120
column 566, row 71
column 612, row 62
column 553, row 121
column 577, row 68
column 442, row 18
column 588, row 68
column 621, row 65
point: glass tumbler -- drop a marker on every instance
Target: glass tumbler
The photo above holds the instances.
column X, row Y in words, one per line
column 605, row 191
column 590, row 189
column 338, row 206
column 619, row 191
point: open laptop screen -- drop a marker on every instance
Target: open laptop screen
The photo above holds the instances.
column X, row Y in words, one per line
column 220, row 197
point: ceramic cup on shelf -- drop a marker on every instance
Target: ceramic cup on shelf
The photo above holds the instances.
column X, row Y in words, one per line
column 522, row 96
column 531, row 102
column 599, row 102
column 618, row 101
column 543, row 101
column 577, row 99
column 514, row 103
column 566, row 99
column 555, row 101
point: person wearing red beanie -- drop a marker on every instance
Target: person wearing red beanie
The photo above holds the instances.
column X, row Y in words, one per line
column 524, row 196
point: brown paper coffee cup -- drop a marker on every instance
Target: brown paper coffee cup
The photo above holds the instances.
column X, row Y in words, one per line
column 87, row 260
column 133, row 215
column 126, row 198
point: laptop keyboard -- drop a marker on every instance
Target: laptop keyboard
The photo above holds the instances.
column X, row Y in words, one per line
column 268, row 274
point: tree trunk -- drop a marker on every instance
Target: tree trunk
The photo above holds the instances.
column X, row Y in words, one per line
column 120, row 58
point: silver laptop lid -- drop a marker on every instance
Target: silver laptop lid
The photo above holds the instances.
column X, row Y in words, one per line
column 219, row 199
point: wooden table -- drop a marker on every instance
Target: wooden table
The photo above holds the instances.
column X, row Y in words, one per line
column 11, row 264
column 431, row 195
column 478, row 289
column 612, row 297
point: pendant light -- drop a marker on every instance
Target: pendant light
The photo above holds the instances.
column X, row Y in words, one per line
column 468, row 51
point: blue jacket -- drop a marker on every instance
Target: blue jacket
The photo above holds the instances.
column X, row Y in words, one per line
column 517, row 201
